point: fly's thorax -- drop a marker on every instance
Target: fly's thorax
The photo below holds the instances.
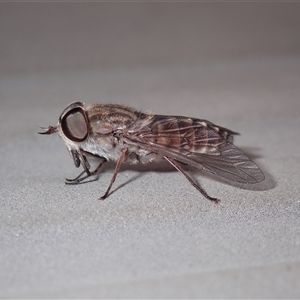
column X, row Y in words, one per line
column 140, row 155
column 105, row 118
column 106, row 146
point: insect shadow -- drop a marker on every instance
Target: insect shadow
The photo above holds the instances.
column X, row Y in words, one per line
column 156, row 166
column 162, row 166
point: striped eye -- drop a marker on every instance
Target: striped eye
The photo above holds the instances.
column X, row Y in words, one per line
column 74, row 124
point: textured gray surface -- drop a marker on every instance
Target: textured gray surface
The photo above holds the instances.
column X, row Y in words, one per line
column 155, row 236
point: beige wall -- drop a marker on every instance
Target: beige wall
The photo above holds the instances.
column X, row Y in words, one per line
column 47, row 36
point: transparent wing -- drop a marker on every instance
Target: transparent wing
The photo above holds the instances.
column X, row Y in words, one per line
column 231, row 164
column 198, row 143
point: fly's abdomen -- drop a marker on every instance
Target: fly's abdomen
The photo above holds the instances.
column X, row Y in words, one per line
column 183, row 133
column 166, row 132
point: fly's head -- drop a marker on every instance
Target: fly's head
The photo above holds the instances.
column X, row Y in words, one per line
column 73, row 126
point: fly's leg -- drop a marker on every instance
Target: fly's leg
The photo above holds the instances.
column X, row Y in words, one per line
column 80, row 177
column 190, row 179
column 77, row 179
column 117, row 168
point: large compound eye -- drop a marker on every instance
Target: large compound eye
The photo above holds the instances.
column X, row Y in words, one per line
column 74, row 124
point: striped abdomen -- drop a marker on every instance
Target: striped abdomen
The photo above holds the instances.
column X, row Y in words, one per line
column 184, row 133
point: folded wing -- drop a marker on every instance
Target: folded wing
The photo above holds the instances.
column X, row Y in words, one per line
column 198, row 143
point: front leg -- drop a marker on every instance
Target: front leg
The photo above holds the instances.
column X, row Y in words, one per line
column 80, row 177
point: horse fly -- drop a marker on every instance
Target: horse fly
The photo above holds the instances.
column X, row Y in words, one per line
column 118, row 133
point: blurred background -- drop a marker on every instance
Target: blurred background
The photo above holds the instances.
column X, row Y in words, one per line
column 47, row 36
